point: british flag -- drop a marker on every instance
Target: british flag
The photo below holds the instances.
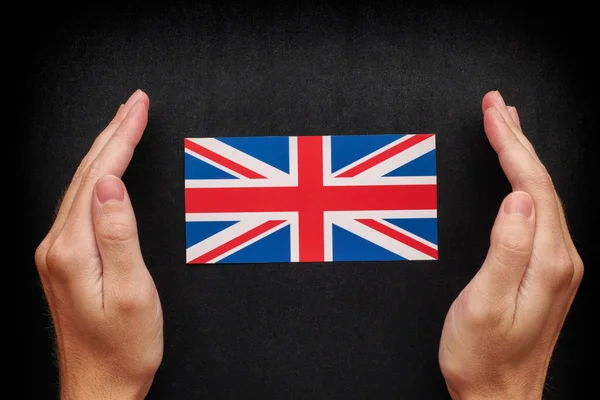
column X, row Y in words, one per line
column 310, row 198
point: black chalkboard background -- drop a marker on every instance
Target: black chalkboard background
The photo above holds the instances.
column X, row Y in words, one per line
column 322, row 331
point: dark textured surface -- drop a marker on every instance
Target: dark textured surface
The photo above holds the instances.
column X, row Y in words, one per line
column 351, row 330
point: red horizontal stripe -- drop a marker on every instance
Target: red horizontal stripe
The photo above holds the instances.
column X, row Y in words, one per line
column 400, row 237
column 392, row 151
column 327, row 198
column 219, row 159
column 237, row 241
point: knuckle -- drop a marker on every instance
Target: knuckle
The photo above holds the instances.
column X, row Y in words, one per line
column 578, row 262
column 509, row 251
column 55, row 256
column 579, row 269
column 92, row 172
column 114, row 124
column 562, row 272
column 536, row 175
column 125, row 141
column 511, row 247
column 118, row 232
column 578, row 275
column 59, row 260
column 81, row 169
column 40, row 254
column 478, row 313
column 133, row 300
column 513, row 125
column 541, row 178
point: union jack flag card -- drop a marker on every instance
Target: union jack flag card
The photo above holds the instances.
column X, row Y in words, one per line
column 310, row 199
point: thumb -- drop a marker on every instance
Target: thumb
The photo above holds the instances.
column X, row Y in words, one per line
column 116, row 230
column 511, row 243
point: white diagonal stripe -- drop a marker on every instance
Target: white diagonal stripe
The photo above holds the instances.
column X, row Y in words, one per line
column 407, row 233
column 373, row 154
column 381, row 240
column 214, row 164
column 220, row 238
column 241, row 158
column 227, row 235
column 249, row 242
column 400, row 159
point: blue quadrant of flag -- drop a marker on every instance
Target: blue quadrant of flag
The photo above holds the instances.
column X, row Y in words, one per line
column 311, row 198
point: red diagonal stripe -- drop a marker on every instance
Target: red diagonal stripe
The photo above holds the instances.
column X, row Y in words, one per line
column 219, row 159
column 237, row 241
column 392, row 151
column 399, row 236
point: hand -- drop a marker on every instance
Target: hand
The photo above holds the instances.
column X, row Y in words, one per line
column 501, row 330
column 104, row 305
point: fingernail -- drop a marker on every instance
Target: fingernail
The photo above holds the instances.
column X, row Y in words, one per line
column 498, row 97
column 109, row 188
column 497, row 113
column 135, row 108
column 519, row 203
column 134, row 97
column 514, row 114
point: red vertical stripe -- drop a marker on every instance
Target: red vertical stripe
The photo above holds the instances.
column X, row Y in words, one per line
column 310, row 215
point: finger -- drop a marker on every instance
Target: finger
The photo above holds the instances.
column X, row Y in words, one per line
column 563, row 221
column 113, row 159
column 515, row 116
column 526, row 174
column 116, row 235
column 97, row 146
column 511, row 244
column 494, row 99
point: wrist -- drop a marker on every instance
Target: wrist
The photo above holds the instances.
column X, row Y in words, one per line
column 98, row 391
column 96, row 385
column 526, row 383
column 496, row 393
